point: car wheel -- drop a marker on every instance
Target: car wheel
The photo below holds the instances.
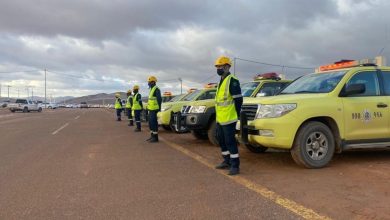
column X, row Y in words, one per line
column 200, row 134
column 258, row 149
column 314, row 145
column 25, row 110
column 12, row 111
column 212, row 133
column 39, row 109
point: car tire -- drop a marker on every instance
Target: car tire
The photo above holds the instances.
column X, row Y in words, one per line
column 258, row 149
column 25, row 110
column 13, row 111
column 313, row 146
column 39, row 109
column 200, row 134
column 212, row 133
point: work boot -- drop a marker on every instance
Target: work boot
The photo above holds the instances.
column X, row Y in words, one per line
column 154, row 138
column 225, row 165
column 234, row 171
column 131, row 123
column 119, row 119
column 137, row 130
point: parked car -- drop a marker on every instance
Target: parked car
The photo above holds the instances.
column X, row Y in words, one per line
column 83, row 105
column 24, row 105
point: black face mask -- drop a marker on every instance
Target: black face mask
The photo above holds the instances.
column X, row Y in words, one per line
column 220, row 72
column 135, row 91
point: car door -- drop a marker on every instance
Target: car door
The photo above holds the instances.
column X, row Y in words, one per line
column 366, row 115
column 386, row 90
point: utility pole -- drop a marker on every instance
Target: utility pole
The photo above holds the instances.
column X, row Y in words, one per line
column 0, row 90
column 18, row 93
column 45, row 88
column 181, row 85
column 8, row 90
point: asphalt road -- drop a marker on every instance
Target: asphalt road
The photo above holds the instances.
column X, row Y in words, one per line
column 82, row 164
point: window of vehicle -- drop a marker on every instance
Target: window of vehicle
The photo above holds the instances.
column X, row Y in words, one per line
column 386, row 82
column 192, row 95
column 315, row 83
column 247, row 89
column 207, row 95
column 21, row 101
column 369, row 79
column 177, row 98
column 271, row 88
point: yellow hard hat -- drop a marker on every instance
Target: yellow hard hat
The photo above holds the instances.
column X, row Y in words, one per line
column 223, row 60
column 129, row 91
column 136, row 87
column 152, row 79
column 117, row 95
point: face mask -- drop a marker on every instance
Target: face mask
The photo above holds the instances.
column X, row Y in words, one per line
column 220, row 72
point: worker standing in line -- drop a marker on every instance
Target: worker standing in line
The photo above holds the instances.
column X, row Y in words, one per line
column 227, row 107
column 118, row 106
column 128, row 105
column 154, row 106
column 137, row 108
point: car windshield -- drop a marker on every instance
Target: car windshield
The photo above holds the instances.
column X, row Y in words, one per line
column 192, row 95
column 23, row 101
column 315, row 83
column 247, row 89
column 177, row 98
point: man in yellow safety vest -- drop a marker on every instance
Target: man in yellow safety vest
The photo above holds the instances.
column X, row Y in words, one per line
column 154, row 106
column 228, row 101
column 118, row 106
column 137, row 107
column 128, row 106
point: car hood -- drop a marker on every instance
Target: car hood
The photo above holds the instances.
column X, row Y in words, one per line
column 207, row 102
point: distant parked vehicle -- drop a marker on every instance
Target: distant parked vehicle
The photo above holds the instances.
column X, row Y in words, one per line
column 4, row 104
column 24, row 105
column 83, row 105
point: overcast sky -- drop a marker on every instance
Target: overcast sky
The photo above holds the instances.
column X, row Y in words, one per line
column 93, row 46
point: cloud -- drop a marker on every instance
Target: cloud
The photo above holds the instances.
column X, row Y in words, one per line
column 91, row 46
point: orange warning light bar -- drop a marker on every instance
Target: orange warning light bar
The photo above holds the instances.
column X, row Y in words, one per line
column 340, row 65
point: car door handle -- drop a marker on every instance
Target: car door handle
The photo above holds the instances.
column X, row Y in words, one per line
column 381, row 105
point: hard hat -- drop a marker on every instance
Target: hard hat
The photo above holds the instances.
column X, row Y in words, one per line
column 117, row 95
column 223, row 60
column 136, row 87
column 152, row 79
column 129, row 91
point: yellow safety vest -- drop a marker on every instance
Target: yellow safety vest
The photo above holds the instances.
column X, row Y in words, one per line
column 152, row 101
column 117, row 104
column 128, row 103
column 136, row 105
column 224, row 104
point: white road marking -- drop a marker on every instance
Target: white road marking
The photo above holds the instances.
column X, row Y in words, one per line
column 77, row 117
column 59, row 129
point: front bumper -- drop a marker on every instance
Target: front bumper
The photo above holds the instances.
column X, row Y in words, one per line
column 164, row 118
column 271, row 132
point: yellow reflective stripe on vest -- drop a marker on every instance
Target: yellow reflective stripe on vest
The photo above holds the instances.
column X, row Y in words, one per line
column 117, row 104
column 152, row 101
column 136, row 105
column 224, row 103
column 128, row 103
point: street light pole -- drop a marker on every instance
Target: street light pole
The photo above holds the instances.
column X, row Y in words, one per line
column 45, row 88
column 181, row 85
column 8, row 90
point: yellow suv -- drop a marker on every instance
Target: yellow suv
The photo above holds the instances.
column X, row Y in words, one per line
column 343, row 106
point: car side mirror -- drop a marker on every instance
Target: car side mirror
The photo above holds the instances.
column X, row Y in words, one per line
column 354, row 89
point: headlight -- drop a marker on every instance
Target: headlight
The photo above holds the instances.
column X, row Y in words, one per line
column 165, row 108
column 198, row 109
column 275, row 111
